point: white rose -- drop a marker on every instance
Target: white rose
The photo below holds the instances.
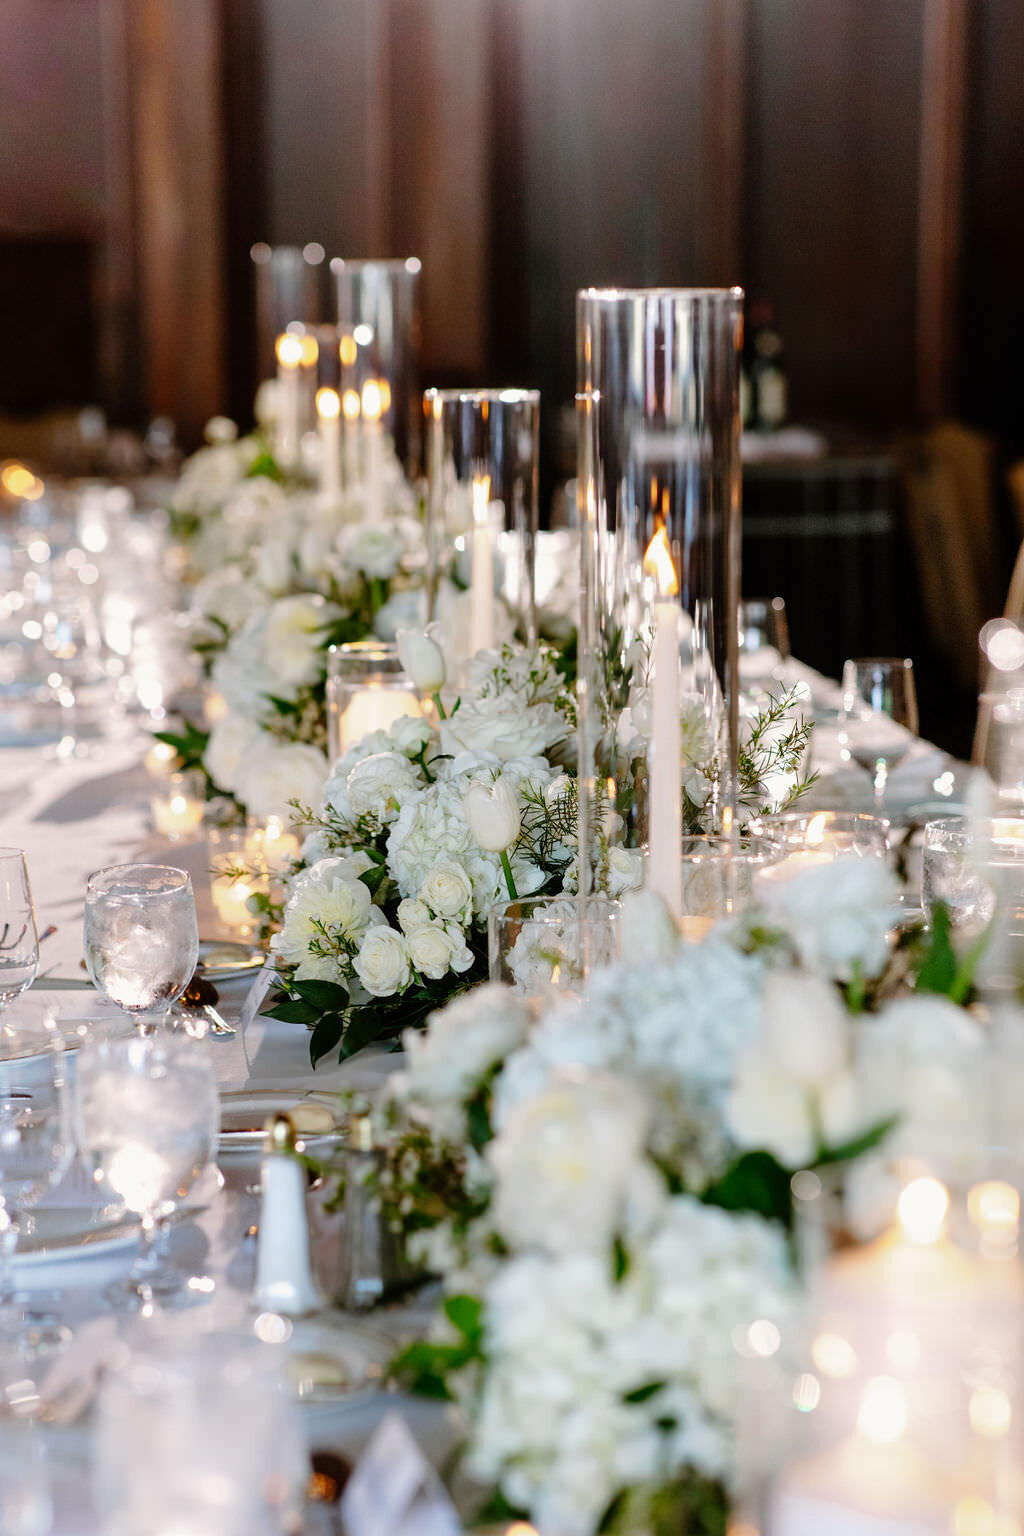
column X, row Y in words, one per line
column 293, row 642
column 233, row 739
column 805, row 1025
column 382, row 963
column 410, row 734
column 375, row 551
column 492, row 814
column 447, row 890
column 564, row 1163
column 422, row 658
column 413, row 914
column 276, row 773
column 434, row 951
column 381, row 784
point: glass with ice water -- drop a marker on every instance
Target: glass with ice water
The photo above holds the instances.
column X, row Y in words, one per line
column 975, row 868
column 148, row 1118
column 141, row 938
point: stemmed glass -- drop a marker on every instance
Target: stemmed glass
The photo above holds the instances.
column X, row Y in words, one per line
column 148, row 1118
column 141, row 938
column 878, row 722
column 19, row 946
column 36, row 1140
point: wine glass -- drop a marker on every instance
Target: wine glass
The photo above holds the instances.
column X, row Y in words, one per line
column 878, row 721
column 36, row 1137
column 141, row 938
column 148, row 1117
column 763, row 639
column 19, row 946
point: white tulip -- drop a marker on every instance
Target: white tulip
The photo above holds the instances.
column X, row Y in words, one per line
column 492, row 814
column 422, row 658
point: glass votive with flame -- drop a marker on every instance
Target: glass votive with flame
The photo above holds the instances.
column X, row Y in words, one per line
column 270, row 845
column 177, row 804
column 234, row 880
column 367, row 690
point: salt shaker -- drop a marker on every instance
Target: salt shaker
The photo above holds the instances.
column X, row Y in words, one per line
column 284, row 1272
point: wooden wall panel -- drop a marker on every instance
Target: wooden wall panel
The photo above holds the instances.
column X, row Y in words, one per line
column 831, row 206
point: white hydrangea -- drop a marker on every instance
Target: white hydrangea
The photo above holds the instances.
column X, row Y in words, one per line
column 379, row 785
column 837, row 916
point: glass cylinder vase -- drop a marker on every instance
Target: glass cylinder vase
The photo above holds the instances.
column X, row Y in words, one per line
column 287, row 283
column 383, row 297
column 482, row 457
column 659, row 511
column 367, row 690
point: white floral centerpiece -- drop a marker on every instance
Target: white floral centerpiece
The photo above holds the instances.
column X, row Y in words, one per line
column 606, row 1189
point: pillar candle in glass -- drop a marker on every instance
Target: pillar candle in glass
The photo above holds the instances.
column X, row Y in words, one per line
column 482, row 514
column 383, row 296
column 328, row 410
column 367, row 690
column 658, row 458
column 287, row 282
column 289, row 404
column 374, row 402
column 178, row 802
column 233, row 880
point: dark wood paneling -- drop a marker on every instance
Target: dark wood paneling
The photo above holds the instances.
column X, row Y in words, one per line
column 831, row 206
column 940, row 203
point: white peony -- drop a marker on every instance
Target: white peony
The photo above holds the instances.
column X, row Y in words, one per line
column 293, row 641
column 233, row 741
column 227, row 595
column 277, row 772
column 382, row 963
column 379, row 785
column 324, row 897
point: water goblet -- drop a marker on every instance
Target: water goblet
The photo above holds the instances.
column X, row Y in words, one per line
column 19, row 945
column 141, row 938
column 148, row 1117
column 878, row 721
column 763, row 639
column 36, row 1137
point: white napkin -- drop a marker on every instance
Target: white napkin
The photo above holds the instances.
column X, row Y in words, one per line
column 394, row 1491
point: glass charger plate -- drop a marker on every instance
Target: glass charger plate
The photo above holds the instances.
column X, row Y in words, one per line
column 331, row 1360
column 62, row 1232
column 220, row 959
column 316, row 1117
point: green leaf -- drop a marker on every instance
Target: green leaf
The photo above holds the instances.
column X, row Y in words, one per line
column 496, row 1510
column 620, row 1260
column 478, row 1121
column 323, row 995
column 754, row 1182
column 190, row 744
column 938, row 970
column 642, row 1394
column 849, row 1150
column 283, row 706
column 374, row 878
column 325, row 1036
column 264, row 466
column 294, row 1012
column 964, row 983
column 464, row 1313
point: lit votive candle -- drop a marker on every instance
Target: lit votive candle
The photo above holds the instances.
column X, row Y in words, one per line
column 177, row 804
column 230, row 902
column 160, row 760
column 215, row 707
column 271, row 845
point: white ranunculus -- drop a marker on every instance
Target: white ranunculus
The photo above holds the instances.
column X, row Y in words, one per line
column 410, row 734
column 492, row 814
column 422, row 658
column 448, row 891
column 382, row 963
column 374, row 551
column 380, row 785
column 233, row 739
column 435, row 950
column 326, row 896
column 806, row 1026
column 293, row 643
column 564, row 1163
column 278, row 772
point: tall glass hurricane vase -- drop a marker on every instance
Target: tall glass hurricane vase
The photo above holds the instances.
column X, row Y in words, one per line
column 482, row 448
column 382, row 298
column 659, row 493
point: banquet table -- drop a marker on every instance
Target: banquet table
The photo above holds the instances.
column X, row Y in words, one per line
column 75, row 814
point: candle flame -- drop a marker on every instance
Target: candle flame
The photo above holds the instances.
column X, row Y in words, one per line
column 348, row 350
column 481, row 499
column 658, row 563
column 350, row 405
column 308, row 351
column 373, row 400
column 289, row 350
column 328, row 404
column 922, row 1210
column 816, row 829
column 883, row 1411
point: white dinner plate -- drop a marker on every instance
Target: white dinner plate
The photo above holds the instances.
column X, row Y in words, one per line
column 333, row 1361
column 62, row 1232
column 220, row 959
column 316, row 1116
